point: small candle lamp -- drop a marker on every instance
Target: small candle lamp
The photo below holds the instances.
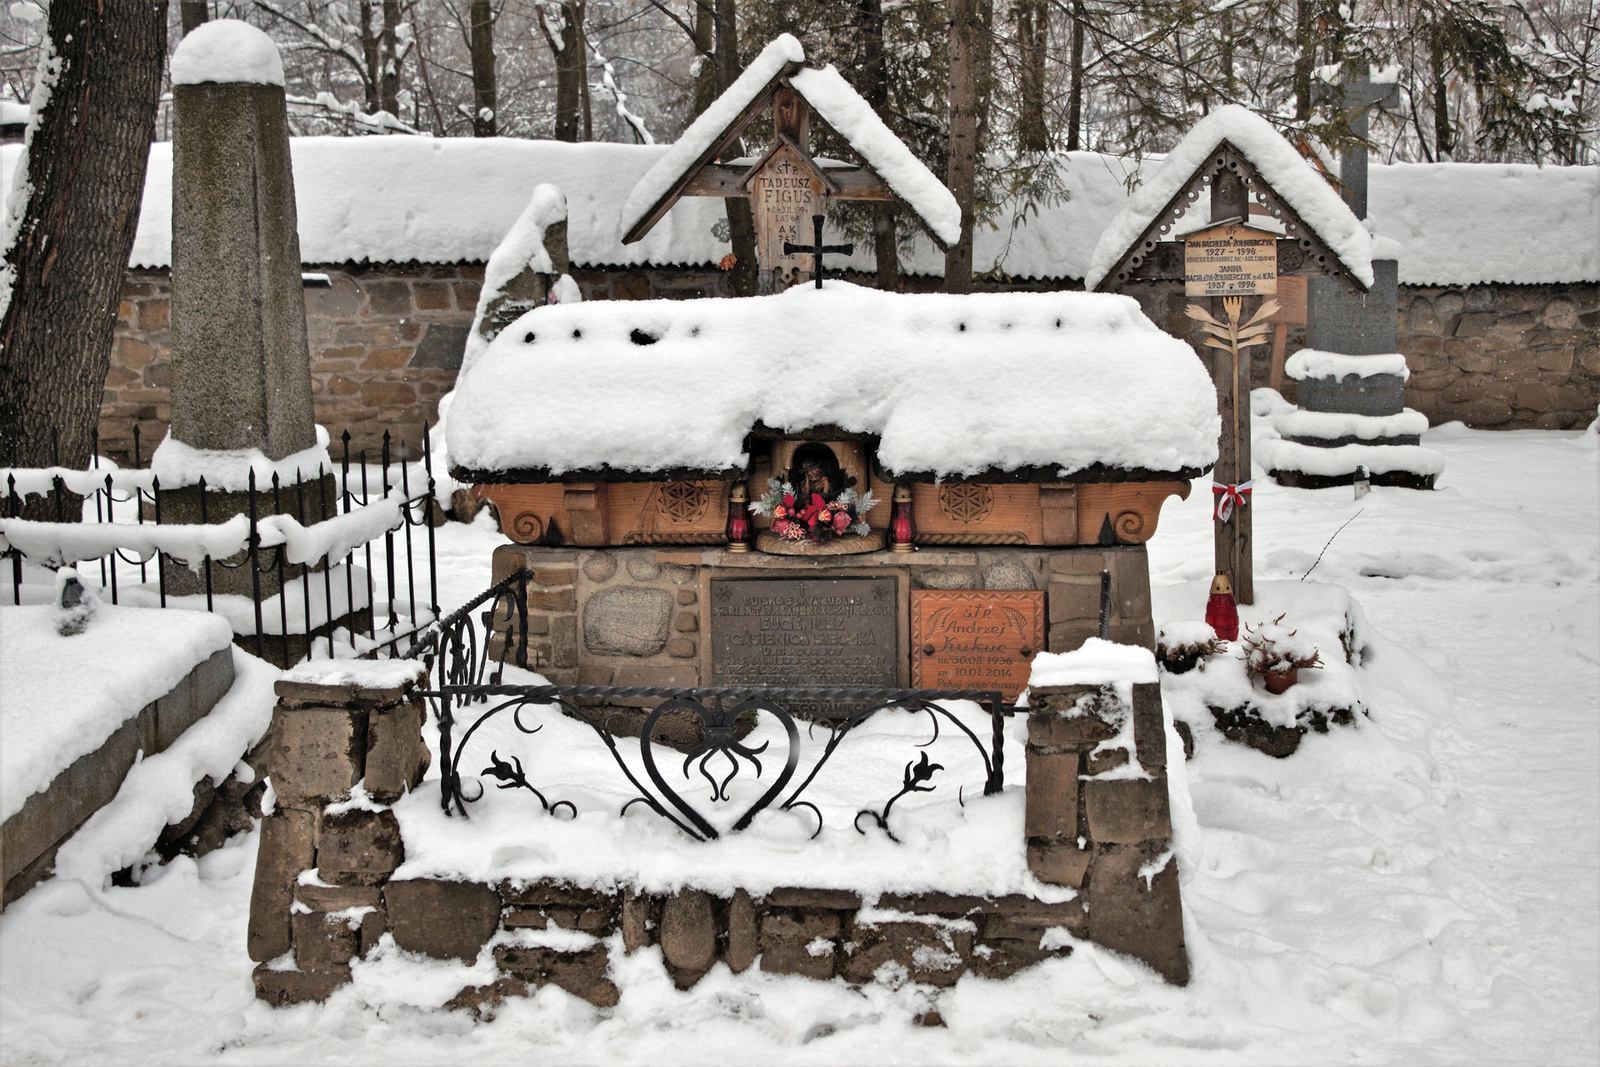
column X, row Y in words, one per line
column 902, row 525
column 1222, row 614
column 738, row 518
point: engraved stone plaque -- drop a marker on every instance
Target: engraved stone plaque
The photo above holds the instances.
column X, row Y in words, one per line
column 808, row 632
column 975, row 640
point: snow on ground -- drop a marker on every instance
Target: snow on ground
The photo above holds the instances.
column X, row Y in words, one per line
column 1423, row 887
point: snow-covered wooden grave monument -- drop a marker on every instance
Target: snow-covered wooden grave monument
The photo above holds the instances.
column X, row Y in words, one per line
column 1271, row 215
column 786, row 563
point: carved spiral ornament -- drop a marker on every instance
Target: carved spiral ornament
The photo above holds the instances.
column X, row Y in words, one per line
column 527, row 528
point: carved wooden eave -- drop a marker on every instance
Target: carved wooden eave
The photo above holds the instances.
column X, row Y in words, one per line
column 1094, row 474
column 544, row 476
column 708, row 177
column 1303, row 252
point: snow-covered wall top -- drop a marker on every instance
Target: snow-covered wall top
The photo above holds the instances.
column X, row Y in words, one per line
column 952, row 384
column 449, row 200
column 837, row 104
column 1275, row 159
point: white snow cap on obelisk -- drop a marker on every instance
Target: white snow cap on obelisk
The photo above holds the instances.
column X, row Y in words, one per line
column 1305, row 191
column 227, row 51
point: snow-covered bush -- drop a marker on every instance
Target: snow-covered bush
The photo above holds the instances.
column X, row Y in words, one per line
column 1182, row 646
column 1275, row 649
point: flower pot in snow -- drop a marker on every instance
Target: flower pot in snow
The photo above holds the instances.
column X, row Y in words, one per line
column 1278, row 681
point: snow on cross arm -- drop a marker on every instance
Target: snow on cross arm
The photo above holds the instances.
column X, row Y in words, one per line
column 697, row 139
column 1274, row 158
column 844, row 109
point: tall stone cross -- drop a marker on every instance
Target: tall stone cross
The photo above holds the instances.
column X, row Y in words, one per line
column 1358, row 95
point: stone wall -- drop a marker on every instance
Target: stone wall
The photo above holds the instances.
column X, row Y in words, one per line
column 1491, row 356
column 1503, row 356
column 324, row 891
column 386, row 343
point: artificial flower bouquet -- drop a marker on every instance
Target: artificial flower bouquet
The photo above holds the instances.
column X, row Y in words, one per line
column 815, row 520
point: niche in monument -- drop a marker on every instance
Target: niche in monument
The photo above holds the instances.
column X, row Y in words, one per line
column 806, row 632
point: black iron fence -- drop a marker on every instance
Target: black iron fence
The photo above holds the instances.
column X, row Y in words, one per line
column 304, row 587
column 470, row 663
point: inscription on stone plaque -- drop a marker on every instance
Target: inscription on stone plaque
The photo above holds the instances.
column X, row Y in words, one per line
column 1230, row 260
column 811, row 632
column 973, row 640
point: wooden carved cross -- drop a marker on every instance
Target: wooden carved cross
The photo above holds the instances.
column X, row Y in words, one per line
column 817, row 248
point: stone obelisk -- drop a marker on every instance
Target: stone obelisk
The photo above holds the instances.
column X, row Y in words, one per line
column 241, row 372
column 241, row 369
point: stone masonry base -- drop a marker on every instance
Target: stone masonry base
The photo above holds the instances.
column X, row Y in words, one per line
column 1097, row 822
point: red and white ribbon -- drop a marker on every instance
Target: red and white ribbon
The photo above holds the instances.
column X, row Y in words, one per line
column 1228, row 498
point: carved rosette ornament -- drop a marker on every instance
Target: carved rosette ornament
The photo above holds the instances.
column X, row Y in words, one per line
column 683, row 503
column 966, row 503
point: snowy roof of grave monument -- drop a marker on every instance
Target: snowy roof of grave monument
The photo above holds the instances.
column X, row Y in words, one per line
column 835, row 103
column 451, row 200
column 1068, row 384
column 1295, row 181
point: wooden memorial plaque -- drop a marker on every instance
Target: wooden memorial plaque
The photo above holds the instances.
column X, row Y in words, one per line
column 975, row 640
column 785, row 193
column 1230, row 260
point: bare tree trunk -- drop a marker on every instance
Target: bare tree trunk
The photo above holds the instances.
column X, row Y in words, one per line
column 1304, row 56
column 582, row 60
column 1444, row 137
column 745, row 274
column 873, row 82
column 63, row 270
column 1075, row 90
column 1225, row 33
column 193, row 13
column 389, row 77
column 371, row 55
column 1033, row 35
column 485, row 120
column 969, row 77
column 705, row 40
column 567, row 48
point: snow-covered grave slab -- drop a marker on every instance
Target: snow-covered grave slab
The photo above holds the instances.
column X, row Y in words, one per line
column 1219, row 694
column 76, row 712
column 661, row 385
